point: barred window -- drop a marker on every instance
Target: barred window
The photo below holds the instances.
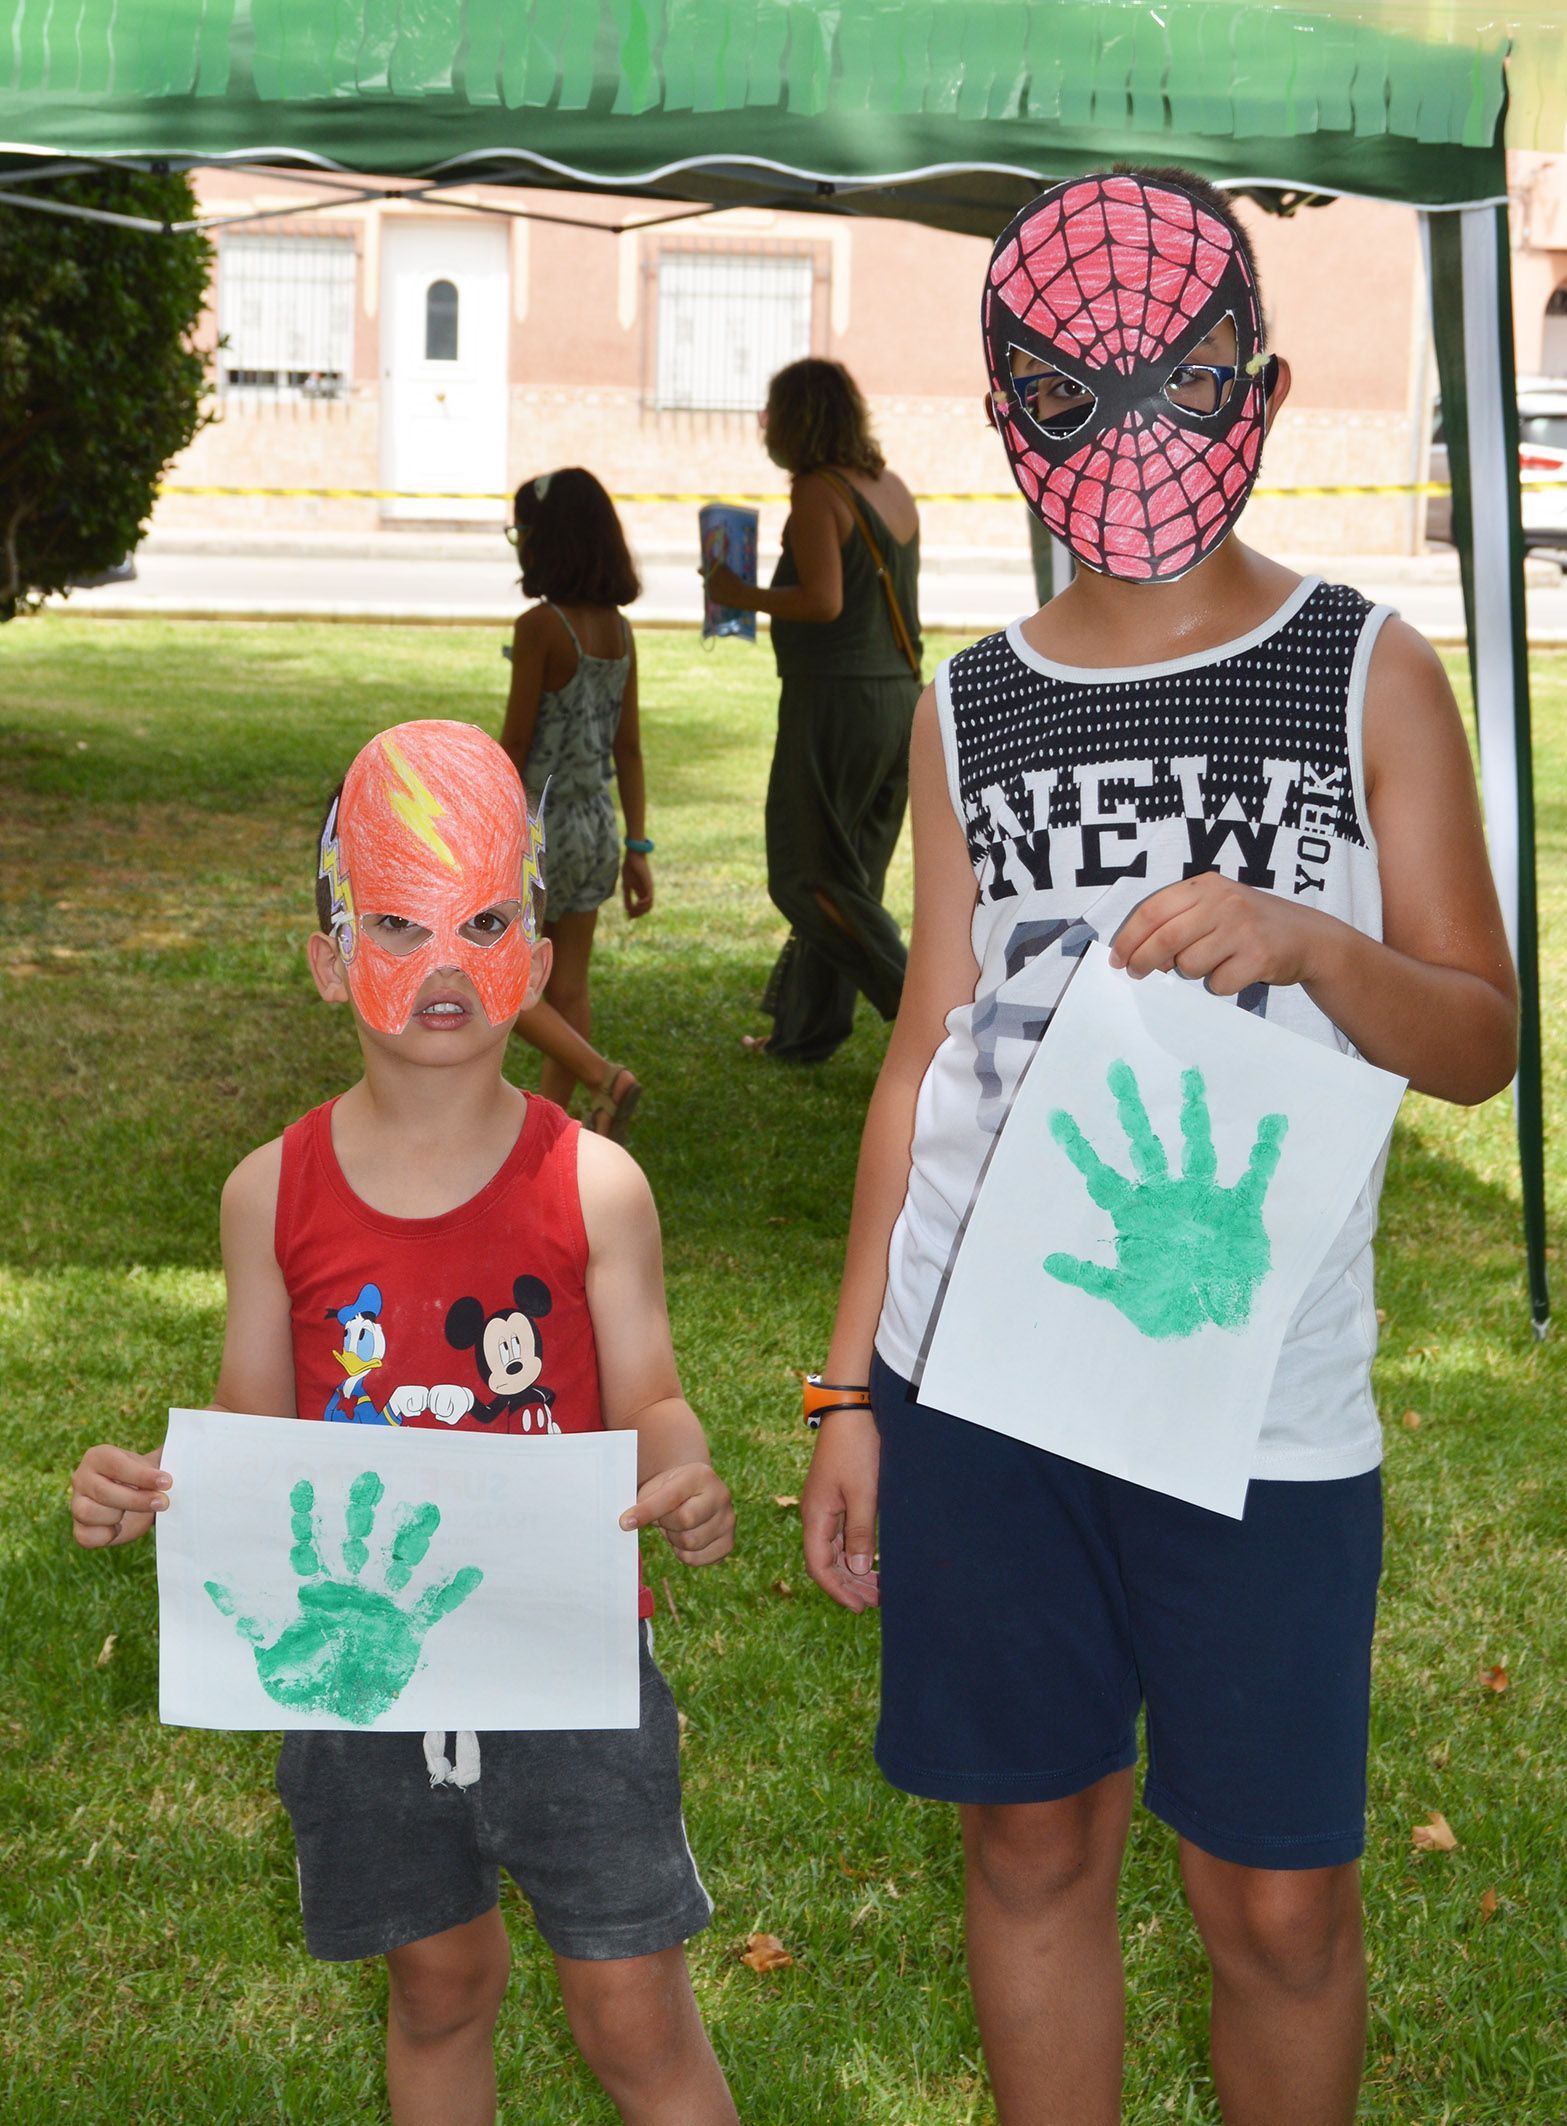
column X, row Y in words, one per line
column 726, row 321
column 286, row 310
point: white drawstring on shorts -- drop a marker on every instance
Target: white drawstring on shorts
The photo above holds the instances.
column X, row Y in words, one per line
column 443, row 1772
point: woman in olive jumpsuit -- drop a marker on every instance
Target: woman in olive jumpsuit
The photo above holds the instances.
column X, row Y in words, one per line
column 847, row 689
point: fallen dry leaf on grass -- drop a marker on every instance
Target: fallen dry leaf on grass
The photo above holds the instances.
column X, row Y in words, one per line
column 1493, row 1679
column 1488, row 1904
column 1411, row 1420
column 765, row 1952
column 785, row 1499
column 1435, row 1836
column 106, row 1651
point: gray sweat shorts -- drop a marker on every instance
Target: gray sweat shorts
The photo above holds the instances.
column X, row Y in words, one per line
column 586, row 1823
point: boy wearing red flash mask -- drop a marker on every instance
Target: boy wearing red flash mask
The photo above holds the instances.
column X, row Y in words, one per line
column 468, row 1257
column 1261, row 782
column 417, row 884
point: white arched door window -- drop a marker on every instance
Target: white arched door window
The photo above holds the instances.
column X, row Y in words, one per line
column 445, row 316
column 441, row 301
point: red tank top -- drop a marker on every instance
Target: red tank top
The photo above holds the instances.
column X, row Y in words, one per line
column 473, row 1321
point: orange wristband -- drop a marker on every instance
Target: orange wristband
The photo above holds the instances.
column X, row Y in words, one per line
column 822, row 1397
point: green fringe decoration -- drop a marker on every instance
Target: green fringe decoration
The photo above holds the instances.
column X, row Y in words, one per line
column 1224, row 69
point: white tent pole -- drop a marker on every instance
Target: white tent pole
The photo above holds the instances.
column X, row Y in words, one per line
column 1495, row 678
column 1467, row 268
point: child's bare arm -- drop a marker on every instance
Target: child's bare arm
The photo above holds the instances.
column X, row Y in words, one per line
column 1436, row 999
column 639, row 1385
column 636, row 873
column 838, row 1506
column 257, row 1371
column 114, row 1492
column 529, row 647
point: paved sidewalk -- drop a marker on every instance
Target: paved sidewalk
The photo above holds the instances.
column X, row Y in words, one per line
column 470, row 577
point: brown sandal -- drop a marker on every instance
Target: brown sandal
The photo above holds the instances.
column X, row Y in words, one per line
column 612, row 1110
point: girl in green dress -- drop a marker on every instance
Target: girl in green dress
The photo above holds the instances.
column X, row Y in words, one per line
column 572, row 723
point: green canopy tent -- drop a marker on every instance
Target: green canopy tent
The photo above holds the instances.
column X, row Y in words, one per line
column 947, row 112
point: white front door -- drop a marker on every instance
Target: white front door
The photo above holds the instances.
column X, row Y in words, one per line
column 443, row 367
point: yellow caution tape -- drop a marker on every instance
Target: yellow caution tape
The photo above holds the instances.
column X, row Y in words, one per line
column 396, row 494
column 1391, row 487
column 334, row 494
column 1379, row 487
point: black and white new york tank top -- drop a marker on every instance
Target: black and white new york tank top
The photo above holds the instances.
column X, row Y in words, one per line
column 1081, row 791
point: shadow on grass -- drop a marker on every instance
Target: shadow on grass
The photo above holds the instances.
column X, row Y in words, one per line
column 1439, row 1211
column 147, row 1089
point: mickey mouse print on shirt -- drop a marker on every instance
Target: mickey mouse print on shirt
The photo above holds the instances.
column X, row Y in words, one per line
column 508, row 1354
column 475, row 1321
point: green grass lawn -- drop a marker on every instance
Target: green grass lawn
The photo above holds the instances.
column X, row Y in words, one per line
column 161, row 788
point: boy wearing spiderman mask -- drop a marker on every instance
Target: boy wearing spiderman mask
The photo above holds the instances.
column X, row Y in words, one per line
column 429, row 1181
column 1261, row 782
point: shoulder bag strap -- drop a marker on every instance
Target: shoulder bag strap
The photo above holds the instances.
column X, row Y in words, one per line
column 900, row 628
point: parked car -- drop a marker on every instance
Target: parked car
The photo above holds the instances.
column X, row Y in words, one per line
column 117, row 572
column 1542, row 467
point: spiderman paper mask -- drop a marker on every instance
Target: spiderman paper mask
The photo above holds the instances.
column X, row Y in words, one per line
column 430, row 862
column 1140, row 448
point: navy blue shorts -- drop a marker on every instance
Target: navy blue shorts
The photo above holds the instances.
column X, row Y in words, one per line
column 1030, row 1607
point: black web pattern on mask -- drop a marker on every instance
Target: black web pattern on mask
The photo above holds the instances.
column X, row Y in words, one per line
column 1114, row 273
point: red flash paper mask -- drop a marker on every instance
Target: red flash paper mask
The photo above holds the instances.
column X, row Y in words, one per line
column 431, row 862
column 1140, row 448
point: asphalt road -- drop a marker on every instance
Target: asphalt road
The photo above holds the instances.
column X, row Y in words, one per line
column 400, row 577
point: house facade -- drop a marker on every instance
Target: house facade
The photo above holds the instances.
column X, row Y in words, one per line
column 1538, row 184
column 384, row 363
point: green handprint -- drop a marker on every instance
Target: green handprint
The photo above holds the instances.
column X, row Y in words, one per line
column 351, row 1650
column 1187, row 1251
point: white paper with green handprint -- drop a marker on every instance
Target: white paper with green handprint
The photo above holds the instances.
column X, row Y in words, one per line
column 316, row 1575
column 1168, row 1182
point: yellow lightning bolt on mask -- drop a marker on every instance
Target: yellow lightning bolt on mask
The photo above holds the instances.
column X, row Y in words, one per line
column 415, row 804
column 533, row 869
column 341, row 921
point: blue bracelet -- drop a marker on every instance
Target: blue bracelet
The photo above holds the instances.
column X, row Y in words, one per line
column 638, row 848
